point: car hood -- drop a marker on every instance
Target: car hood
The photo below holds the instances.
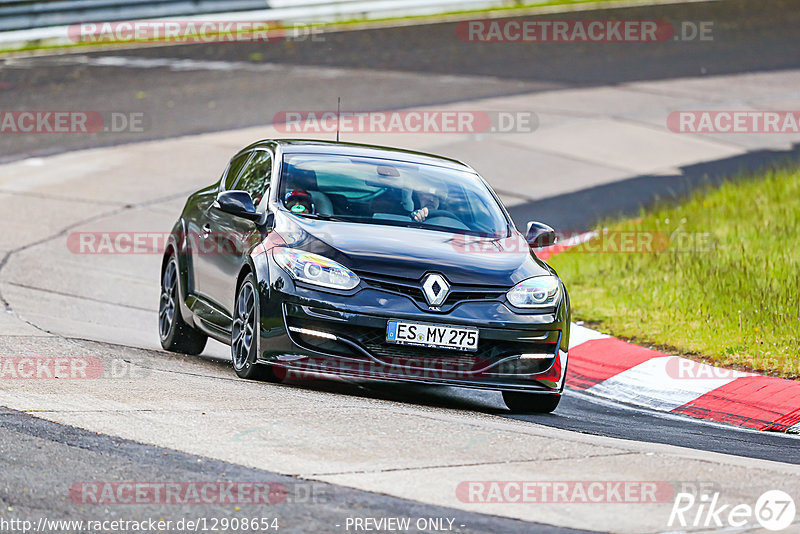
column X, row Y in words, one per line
column 412, row 252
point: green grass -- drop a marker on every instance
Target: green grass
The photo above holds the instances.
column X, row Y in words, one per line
column 732, row 299
column 520, row 8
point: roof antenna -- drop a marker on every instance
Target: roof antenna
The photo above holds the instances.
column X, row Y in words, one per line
column 338, row 115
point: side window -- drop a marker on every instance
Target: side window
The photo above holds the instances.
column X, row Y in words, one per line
column 234, row 169
column 256, row 175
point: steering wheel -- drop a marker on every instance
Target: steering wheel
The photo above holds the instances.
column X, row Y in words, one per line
column 437, row 213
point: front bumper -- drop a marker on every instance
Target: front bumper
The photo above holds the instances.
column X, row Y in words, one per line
column 306, row 331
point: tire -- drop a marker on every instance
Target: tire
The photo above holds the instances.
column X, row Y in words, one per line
column 175, row 334
column 245, row 334
column 530, row 402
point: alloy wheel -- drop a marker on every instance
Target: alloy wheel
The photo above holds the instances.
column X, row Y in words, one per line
column 169, row 297
column 244, row 326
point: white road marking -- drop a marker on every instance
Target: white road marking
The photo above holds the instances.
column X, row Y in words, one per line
column 184, row 64
column 586, row 396
column 579, row 335
column 649, row 384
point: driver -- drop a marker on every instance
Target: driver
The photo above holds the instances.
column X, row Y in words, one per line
column 429, row 199
column 299, row 201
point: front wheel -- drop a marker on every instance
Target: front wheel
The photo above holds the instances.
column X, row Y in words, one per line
column 245, row 334
column 174, row 333
column 530, row 402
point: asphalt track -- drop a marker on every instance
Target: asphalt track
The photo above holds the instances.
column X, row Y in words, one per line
column 580, row 412
column 436, row 68
column 766, row 38
column 29, row 446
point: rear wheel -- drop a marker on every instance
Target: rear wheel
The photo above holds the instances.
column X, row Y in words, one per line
column 530, row 402
column 245, row 334
column 175, row 334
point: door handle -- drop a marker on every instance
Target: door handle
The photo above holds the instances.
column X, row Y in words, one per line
column 206, row 230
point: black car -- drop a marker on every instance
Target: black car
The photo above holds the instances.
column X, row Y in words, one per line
column 312, row 258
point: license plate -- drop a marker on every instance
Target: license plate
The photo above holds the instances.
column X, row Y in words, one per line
column 432, row 335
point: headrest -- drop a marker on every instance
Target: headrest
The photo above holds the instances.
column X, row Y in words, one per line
column 297, row 178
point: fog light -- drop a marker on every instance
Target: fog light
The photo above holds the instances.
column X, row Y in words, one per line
column 535, row 356
column 315, row 333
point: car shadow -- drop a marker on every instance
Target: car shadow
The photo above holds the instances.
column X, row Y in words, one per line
column 581, row 210
column 451, row 397
column 407, row 393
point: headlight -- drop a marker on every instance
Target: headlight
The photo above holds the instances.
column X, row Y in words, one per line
column 314, row 269
column 538, row 292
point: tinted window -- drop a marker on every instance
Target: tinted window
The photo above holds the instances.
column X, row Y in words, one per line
column 256, row 175
column 234, row 169
column 382, row 191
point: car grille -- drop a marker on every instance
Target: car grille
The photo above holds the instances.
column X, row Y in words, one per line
column 413, row 289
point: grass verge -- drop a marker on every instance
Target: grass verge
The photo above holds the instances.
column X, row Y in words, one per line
column 521, row 8
column 716, row 278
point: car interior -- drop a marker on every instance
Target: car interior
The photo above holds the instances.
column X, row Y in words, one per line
column 382, row 193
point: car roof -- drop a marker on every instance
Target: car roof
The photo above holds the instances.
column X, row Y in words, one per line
column 311, row 146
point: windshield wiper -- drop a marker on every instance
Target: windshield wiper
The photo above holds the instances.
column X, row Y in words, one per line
column 322, row 216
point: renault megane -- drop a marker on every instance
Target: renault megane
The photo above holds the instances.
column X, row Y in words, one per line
column 311, row 257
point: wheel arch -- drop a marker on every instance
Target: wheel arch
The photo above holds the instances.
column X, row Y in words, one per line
column 257, row 264
column 243, row 272
column 178, row 245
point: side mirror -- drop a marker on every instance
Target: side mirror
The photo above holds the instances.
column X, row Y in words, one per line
column 540, row 235
column 237, row 203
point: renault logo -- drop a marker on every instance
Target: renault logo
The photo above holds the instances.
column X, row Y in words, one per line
column 435, row 288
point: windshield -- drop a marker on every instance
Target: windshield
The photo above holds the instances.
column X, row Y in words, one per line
column 380, row 191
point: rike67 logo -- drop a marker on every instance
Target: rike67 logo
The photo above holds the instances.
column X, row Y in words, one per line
column 774, row 510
